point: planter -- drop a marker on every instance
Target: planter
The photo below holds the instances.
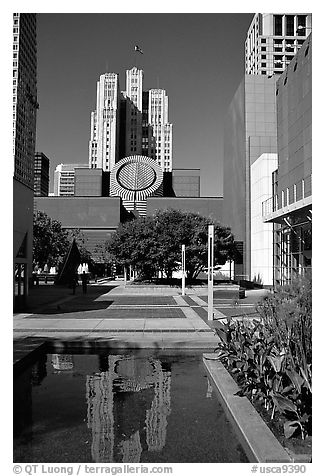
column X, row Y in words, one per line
column 258, row 441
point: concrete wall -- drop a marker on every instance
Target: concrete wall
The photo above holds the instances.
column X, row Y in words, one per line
column 22, row 242
column 234, row 181
column 82, row 212
column 250, row 130
column 209, row 207
column 22, row 221
column 88, row 182
column 186, row 182
column 96, row 217
column 294, row 115
column 261, row 233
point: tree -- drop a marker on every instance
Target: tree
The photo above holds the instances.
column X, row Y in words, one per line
column 50, row 242
column 134, row 244
column 153, row 244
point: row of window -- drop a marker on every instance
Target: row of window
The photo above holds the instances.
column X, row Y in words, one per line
column 285, row 24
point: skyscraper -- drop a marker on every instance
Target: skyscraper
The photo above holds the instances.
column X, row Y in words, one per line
column 133, row 112
column 162, row 130
column 273, row 40
column 24, row 96
column 131, row 122
column 24, row 133
column 104, row 130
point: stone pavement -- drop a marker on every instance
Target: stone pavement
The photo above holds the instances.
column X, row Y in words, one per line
column 122, row 316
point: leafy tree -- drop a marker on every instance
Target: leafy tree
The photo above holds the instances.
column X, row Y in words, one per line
column 134, row 244
column 153, row 244
column 50, row 241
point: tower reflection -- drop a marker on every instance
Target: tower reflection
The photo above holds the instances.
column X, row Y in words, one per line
column 128, row 406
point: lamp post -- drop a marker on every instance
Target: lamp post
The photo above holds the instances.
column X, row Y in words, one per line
column 183, row 270
column 210, row 271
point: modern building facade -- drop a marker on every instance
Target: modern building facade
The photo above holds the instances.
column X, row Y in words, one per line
column 250, row 131
column 91, row 182
column 96, row 217
column 261, row 233
column 131, row 122
column 24, row 132
column 186, row 182
column 273, row 40
column 64, row 179
column 41, row 175
column 290, row 206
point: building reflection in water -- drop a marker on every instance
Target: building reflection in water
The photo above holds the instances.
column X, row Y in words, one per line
column 22, row 396
column 128, row 406
column 209, row 389
column 62, row 362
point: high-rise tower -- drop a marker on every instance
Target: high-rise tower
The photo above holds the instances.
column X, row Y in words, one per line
column 162, row 130
column 24, row 96
column 133, row 122
column 273, row 40
column 133, row 111
column 24, row 133
column 104, row 135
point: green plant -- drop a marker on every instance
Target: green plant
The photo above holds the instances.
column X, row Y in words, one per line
column 270, row 358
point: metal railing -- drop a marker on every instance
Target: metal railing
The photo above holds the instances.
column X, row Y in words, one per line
column 293, row 194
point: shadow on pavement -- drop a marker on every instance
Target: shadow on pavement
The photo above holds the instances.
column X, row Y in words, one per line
column 54, row 300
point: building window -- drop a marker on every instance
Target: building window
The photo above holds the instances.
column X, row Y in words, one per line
column 301, row 23
column 278, row 25
column 290, row 25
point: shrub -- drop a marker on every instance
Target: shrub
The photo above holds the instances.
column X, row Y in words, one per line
column 271, row 357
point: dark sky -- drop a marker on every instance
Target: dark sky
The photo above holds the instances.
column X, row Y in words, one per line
column 198, row 58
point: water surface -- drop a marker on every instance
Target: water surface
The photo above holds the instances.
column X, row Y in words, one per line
column 147, row 407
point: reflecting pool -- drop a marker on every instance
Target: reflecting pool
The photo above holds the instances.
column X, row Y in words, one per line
column 130, row 407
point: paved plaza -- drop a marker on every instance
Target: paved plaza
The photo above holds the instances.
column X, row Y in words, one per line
column 126, row 316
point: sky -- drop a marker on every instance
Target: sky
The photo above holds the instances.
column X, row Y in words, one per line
column 198, row 58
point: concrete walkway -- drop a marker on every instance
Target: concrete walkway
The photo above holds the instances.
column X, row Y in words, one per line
column 116, row 315
column 122, row 315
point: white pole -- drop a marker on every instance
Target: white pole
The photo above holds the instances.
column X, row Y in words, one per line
column 125, row 275
column 210, row 271
column 183, row 270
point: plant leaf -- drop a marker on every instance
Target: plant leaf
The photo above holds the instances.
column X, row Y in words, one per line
column 290, row 427
column 284, row 403
column 296, row 379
